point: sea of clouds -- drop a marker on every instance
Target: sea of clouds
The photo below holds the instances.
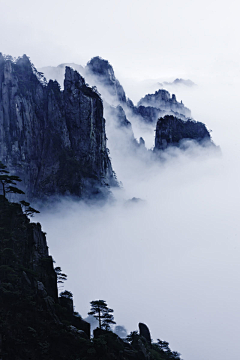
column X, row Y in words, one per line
column 171, row 259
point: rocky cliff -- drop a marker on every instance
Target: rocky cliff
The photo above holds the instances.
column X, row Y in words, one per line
column 170, row 131
column 35, row 323
column 173, row 118
column 55, row 140
column 119, row 110
column 99, row 72
column 148, row 109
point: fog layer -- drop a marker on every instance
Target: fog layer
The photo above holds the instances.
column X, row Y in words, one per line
column 171, row 260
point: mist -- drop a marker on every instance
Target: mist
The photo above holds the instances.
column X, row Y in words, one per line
column 170, row 259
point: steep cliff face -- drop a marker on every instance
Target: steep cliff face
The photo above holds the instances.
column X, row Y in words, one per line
column 55, row 140
column 171, row 130
column 99, row 72
column 149, row 109
column 25, row 260
column 162, row 100
column 34, row 322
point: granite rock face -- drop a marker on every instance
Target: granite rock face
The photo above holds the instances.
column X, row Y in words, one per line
column 171, row 130
column 54, row 140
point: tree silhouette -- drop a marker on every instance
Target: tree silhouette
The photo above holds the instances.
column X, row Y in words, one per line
column 61, row 277
column 162, row 347
column 102, row 313
column 8, row 182
column 132, row 337
column 28, row 210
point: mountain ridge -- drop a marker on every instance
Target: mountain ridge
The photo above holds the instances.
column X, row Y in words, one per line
column 55, row 140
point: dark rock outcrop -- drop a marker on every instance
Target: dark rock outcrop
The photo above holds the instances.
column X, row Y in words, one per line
column 81, row 324
column 67, row 303
column 171, row 130
column 144, row 331
column 23, row 248
column 162, row 100
column 73, row 318
column 55, row 140
column 34, row 324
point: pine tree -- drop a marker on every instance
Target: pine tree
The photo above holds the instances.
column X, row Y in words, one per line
column 28, row 210
column 8, row 181
column 102, row 313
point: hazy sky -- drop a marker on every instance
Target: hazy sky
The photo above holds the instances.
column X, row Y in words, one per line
column 141, row 38
column 172, row 262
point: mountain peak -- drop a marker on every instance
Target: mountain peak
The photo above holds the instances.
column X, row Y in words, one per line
column 100, row 67
column 103, row 74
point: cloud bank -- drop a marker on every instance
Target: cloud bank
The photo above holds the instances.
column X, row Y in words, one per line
column 172, row 259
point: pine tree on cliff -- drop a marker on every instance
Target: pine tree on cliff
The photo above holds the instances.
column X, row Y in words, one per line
column 8, row 181
column 28, row 210
column 102, row 313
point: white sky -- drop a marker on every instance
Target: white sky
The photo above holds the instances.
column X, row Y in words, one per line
column 140, row 38
column 188, row 235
